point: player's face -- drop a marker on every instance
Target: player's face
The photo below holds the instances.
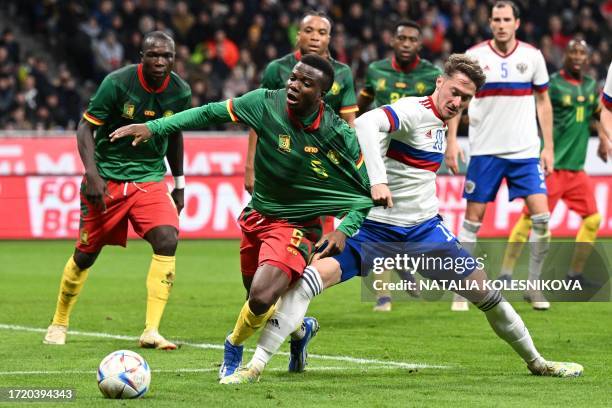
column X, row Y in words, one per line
column 304, row 88
column 576, row 57
column 314, row 35
column 503, row 24
column 158, row 59
column 406, row 44
column 454, row 94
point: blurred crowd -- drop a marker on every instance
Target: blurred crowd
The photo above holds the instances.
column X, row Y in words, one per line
column 223, row 46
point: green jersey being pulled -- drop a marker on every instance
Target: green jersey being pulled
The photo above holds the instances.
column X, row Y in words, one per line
column 305, row 169
column 341, row 96
column 123, row 98
column 574, row 103
column 386, row 81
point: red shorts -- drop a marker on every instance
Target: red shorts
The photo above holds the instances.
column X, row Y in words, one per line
column 146, row 205
column 275, row 242
column 574, row 188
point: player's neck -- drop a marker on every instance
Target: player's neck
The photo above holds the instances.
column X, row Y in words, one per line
column 155, row 84
column 504, row 47
column 569, row 74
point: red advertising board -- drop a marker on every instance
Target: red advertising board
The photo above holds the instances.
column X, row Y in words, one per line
column 40, row 179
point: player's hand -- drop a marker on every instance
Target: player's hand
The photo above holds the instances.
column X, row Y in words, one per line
column 450, row 157
column 381, row 195
column 249, row 179
column 602, row 151
column 330, row 244
column 96, row 191
column 547, row 161
column 140, row 131
column 178, row 196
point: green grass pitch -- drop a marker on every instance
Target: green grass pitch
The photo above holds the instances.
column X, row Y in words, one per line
column 462, row 362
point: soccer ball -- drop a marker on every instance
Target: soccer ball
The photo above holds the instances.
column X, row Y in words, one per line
column 124, row 374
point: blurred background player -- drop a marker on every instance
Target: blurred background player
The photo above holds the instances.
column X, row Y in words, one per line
column 389, row 79
column 313, row 37
column 122, row 183
column 504, row 140
column 402, row 160
column 575, row 101
column 309, row 164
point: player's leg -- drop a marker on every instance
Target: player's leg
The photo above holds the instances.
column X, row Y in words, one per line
column 514, row 247
column 292, row 307
column 155, row 218
column 482, row 180
column 98, row 228
column 74, row 276
column 526, row 179
column 160, row 279
column 509, row 326
column 556, row 187
column 288, row 316
column 580, row 198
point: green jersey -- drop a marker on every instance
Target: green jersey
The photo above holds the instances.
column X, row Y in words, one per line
column 574, row 103
column 303, row 171
column 386, row 81
column 341, row 96
column 123, row 98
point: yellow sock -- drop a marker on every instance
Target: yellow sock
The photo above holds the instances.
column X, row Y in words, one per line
column 516, row 241
column 73, row 279
column 584, row 241
column 159, row 284
column 248, row 323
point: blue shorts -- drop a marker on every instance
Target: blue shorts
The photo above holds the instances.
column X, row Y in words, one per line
column 485, row 174
column 378, row 240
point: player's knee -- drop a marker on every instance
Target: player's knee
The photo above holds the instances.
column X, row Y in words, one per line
column 260, row 301
column 539, row 224
column 164, row 240
column 489, row 300
column 84, row 260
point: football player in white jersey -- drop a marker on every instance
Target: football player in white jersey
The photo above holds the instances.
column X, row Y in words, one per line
column 504, row 141
column 403, row 145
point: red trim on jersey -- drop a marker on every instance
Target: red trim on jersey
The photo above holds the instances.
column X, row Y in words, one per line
column 506, row 92
column 298, row 55
column 490, row 42
column 569, row 78
column 434, row 109
column 313, row 126
column 413, row 161
column 146, row 86
column 408, row 69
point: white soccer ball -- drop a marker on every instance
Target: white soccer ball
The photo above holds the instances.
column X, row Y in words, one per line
column 124, row 374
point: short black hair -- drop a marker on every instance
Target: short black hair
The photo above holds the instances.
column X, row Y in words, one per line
column 323, row 65
column 156, row 35
column 516, row 12
column 407, row 23
column 315, row 13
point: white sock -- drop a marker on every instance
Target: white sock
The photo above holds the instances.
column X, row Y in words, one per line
column 289, row 314
column 508, row 325
column 468, row 234
column 539, row 240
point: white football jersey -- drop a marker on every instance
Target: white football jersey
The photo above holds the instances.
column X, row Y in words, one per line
column 503, row 112
column 606, row 96
column 412, row 149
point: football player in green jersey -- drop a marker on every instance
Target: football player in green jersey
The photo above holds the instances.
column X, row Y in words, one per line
column 389, row 79
column 575, row 101
column 403, row 74
column 312, row 38
column 308, row 164
column 122, row 183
